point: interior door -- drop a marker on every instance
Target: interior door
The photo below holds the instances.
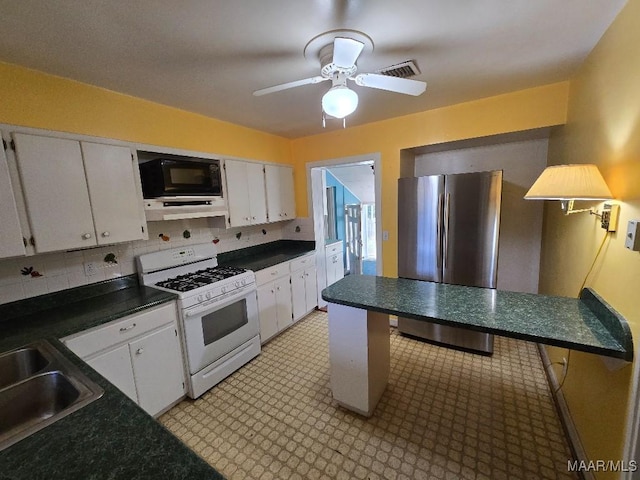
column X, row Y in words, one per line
column 472, row 226
column 353, row 225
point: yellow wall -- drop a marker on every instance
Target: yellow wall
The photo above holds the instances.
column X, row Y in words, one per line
column 35, row 99
column 527, row 109
column 603, row 127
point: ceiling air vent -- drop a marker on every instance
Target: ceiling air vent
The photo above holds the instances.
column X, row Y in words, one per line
column 402, row 70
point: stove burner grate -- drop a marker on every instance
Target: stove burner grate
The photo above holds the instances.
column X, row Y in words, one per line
column 200, row 278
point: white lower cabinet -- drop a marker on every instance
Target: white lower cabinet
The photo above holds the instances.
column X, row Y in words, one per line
column 274, row 305
column 304, row 286
column 335, row 262
column 115, row 366
column 140, row 354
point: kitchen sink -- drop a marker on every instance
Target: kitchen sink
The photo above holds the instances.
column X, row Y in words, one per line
column 20, row 364
column 39, row 386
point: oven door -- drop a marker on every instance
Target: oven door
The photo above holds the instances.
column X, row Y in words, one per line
column 213, row 330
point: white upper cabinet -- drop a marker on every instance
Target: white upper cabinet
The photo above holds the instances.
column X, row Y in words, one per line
column 66, row 192
column 281, row 203
column 11, row 242
column 116, row 200
column 245, row 193
column 56, row 193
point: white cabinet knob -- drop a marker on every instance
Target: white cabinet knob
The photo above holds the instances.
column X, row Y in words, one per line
column 86, row 236
column 139, row 351
column 105, row 234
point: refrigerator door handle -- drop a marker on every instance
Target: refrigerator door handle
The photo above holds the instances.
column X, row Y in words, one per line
column 439, row 226
column 447, row 210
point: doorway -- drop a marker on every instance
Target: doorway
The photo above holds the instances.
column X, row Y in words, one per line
column 345, row 198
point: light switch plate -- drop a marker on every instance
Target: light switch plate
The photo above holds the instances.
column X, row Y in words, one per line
column 632, row 239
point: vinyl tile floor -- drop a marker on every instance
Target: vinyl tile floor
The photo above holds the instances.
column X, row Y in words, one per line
column 445, row 414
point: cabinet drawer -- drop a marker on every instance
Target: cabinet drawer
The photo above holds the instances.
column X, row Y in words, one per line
column 94, row 340
column 333, row 248
column 303, row 262
column 269, row 274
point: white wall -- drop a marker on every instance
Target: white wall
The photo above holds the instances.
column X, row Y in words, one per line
column 521, row 220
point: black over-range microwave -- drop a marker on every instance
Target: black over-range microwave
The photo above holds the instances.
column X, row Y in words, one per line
column 171, row 176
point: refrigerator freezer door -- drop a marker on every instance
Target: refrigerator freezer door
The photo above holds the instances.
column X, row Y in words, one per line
column 471, row 228
column 420, row 208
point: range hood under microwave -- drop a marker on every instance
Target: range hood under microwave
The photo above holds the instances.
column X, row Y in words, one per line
column 184, row 207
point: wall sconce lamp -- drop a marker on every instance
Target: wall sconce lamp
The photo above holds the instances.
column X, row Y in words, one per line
column 568, row 183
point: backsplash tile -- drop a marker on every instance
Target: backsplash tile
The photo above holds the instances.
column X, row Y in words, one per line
column 61, row 270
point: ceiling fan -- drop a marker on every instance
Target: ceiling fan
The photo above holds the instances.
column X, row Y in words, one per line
column 338, row 52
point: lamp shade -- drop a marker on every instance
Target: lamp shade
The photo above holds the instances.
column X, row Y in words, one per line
column 569, row 182
column 339, row 101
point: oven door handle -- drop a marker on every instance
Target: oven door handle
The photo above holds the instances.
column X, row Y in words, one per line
column 217, row 304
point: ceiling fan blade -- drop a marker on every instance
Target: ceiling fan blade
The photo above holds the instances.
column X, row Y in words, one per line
column 392, row 84
column 285, row 86
column 346, row 51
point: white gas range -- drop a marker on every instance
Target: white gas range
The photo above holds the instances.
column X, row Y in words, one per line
column 218, row 308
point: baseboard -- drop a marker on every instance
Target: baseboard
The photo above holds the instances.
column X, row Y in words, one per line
column 575, row 444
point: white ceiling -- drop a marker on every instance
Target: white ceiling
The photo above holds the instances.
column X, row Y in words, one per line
column 208, row 56
column 359, row 178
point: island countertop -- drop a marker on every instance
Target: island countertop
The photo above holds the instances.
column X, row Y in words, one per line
column 587, row 324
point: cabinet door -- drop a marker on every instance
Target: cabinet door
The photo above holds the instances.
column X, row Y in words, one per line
column 311, row 288
column 256, row 190
column 298, row 294
column 287, row 193
column 237, row 195
column 274, row 201
column 11, row 244
column 283, row 301
column 115, row 366
column 267, row 311
column 157, row 369
column 115, row 199
column 55, row 190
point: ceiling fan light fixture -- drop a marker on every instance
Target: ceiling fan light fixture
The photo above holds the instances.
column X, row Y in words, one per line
column 339, row 101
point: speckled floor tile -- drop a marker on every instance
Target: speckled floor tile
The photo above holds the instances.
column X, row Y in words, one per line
column 444, row 415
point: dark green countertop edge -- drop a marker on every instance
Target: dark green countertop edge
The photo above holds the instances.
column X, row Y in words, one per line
column 610, row 318
column 111, row 437
column 266, row 255
column 608, row 332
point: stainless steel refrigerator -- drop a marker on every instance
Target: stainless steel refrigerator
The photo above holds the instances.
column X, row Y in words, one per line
column 448, row 229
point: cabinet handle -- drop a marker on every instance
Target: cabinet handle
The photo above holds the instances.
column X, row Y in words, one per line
column 86, row 236
column 285, row 214
column 105, row 234
column 139, row 351
column 253, row 218
column 125, row 329
column 272, row 291
column 278, row 288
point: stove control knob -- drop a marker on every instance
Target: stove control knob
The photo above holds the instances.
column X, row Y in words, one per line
column 208, row 295
column 200, row 298
column 224, row 289
column 244, row 282
column 237, row 284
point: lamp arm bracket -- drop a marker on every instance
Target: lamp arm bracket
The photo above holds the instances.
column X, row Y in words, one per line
column 567, row 208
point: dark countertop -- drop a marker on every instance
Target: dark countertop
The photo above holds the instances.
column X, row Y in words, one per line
column 267, row 255
column 111, row 437
column 587, row 324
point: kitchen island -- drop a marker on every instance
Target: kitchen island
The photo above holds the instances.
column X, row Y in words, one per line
column 359, row 309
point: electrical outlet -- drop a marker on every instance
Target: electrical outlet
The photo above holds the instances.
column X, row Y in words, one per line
column 90, row 268
column 609, row 219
